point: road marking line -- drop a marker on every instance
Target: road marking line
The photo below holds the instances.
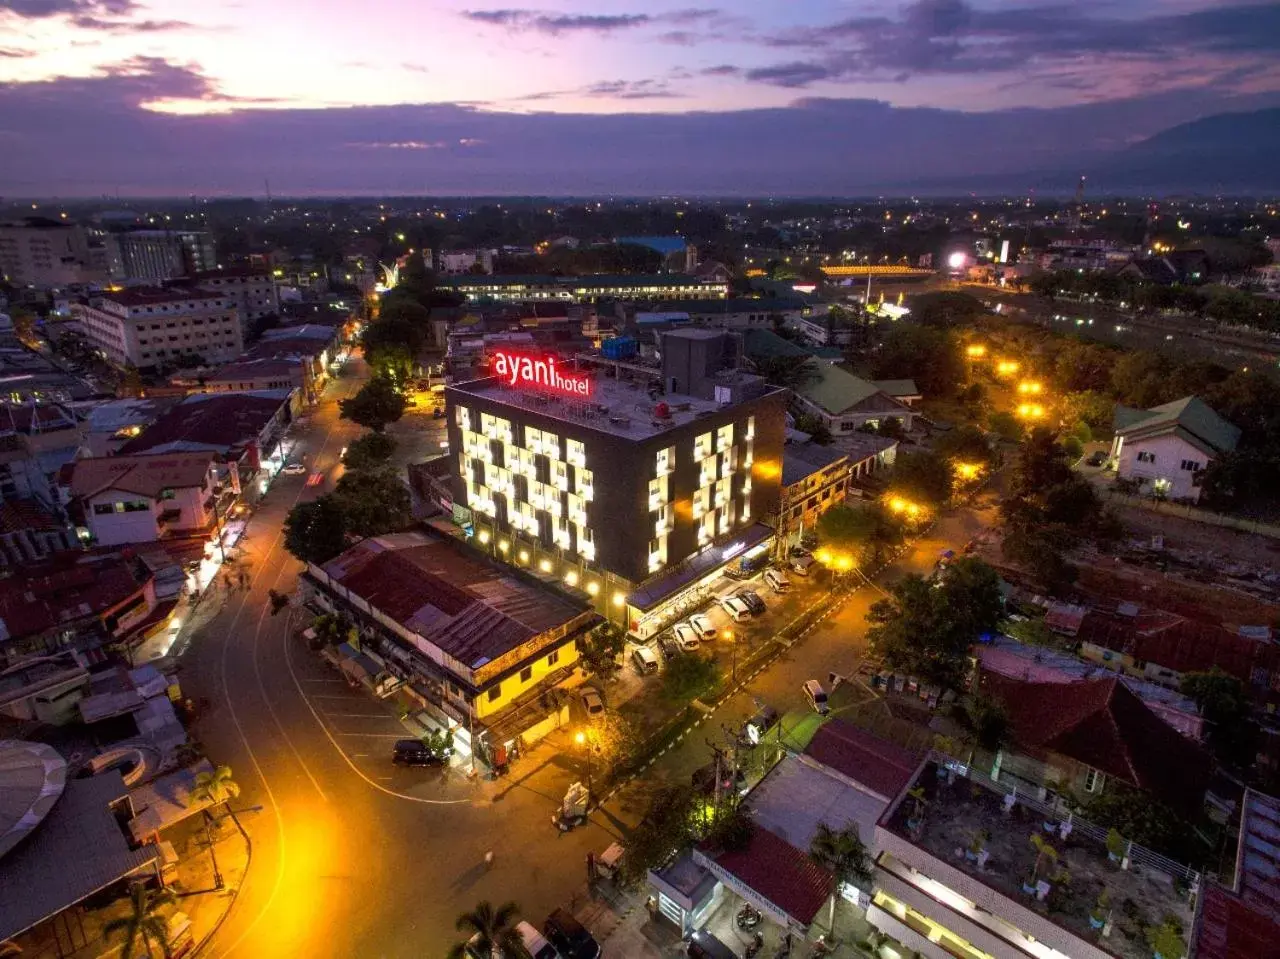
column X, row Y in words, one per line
column 372, row 735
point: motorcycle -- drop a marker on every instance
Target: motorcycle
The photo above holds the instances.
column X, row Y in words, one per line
column 748, row 917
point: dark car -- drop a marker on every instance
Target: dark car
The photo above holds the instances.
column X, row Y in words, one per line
column 670, row 648
column 413, row 752
column 569, row 936
column 753, row 601
column 1097, row 458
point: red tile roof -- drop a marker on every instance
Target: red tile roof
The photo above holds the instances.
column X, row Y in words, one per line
column 1184, row 646
column 779, row 872
column 1230, row 928
column 883, row 767
column 26, row 514
column 221, row 420
column 1101, row 723
column 63, row 591
column 144, row 475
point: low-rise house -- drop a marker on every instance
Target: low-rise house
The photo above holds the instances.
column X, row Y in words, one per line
column 144, row 497
column 1074, row 737
column 844, row 402
column 36, row 441
column 110, row 424
column 1242, row 920
column 1165, row 450
column 473, row 639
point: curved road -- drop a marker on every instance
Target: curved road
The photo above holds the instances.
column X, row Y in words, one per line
column 353, row 857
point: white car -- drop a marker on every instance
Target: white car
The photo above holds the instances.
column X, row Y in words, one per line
column 702, row 626
column 687, row 637
column 738, row 610
column 293, row 469
column 592, row 704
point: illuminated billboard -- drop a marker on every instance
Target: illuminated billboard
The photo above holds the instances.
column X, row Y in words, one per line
column 518, row 370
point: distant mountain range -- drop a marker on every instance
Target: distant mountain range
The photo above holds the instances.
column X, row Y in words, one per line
column 1236, row 153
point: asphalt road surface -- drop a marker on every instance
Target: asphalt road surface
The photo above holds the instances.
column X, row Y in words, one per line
column 352, row 857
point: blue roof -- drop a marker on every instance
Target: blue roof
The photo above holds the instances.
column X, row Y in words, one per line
column 666, row 245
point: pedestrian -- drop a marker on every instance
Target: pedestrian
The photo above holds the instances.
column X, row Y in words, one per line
column 488, row 859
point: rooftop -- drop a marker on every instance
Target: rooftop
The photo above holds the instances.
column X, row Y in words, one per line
column 1190, row 418
column 777, row 871
column 1231, row 928
column 141, row 474
column 218, row 422
column 955, row 813
column 802, row 460
column 797, row 796
column 114, row 415
column 624, row 406
column 1103, row 724
column 1258, row 856
column 62, row 590
column 79, row 849
column 252, row 368
column 837, row 391
column 473, row 610
column 32, row 777
column 882, row 767
column 569, row 283
column 303, row 331
column 655, row 590
column 155, row 296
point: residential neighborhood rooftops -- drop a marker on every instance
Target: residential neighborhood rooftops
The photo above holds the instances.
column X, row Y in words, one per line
column 1230, row 928
column 32, row 777
column 1103, row 724
column 146, row 475
column 1258, row 854
column 218, row 422
column 473, row 610
column 1190, row 418
column 838, row 391
column 777, row 872
column 155, row 296
column 66, row 588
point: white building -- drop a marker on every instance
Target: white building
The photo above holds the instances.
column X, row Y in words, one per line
column 46, row 253
column 844, row 402
column 1165, row 450
column 254, row 291
column 464, row 261
column 140, row 499
column 148, row 327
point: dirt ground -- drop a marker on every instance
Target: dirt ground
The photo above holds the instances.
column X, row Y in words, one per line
column 1230, row 544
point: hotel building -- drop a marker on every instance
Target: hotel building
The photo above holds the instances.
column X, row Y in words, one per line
column 148, row 327
column 636, row 485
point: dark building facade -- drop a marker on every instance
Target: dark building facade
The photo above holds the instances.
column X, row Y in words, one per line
column 631, row 494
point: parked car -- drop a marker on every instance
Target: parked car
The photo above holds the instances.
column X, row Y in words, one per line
column 753, row 601
column 414, row 752
column 1097, row 458
column 687, row 637
column 777, row 580
column 737, row 609
column 569, row 936
column 754, row 729
column 702, row 626
column 669, row 646
column 803, row 565
column 534, row 942
column 645, row 662
column 293, row 469
column 817, row 697
column 592, row 704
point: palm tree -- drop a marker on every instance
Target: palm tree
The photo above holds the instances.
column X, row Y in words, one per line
column 145, row 922
column 842, row 854
column 490, row 932
column 215, row 787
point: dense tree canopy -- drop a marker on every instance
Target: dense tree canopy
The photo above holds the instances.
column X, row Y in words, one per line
column 315, row 532
column 378, row 404
column 372, row 503
column 369, row 451
column 931, row 357
column 923, row 478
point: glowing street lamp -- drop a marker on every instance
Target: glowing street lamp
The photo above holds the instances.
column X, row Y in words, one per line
column 1006, row 367
column 966, row 471
column 976, row 352
column 1030, row 387
column 1031, row 411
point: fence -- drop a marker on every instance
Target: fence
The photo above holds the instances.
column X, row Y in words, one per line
column 1134, row 853
column 1193, row 513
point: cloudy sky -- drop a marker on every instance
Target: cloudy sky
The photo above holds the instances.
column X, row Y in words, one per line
column 171, row 96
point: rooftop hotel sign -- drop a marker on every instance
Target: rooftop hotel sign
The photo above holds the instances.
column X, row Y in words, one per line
column 540, row 372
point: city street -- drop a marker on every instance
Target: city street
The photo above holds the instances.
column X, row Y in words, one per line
column 352, row 856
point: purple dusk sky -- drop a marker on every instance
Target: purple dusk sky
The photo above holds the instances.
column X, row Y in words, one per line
column 173, row 97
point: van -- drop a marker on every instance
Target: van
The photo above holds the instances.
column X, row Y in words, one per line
column 645, row 662
column 817, row 697
column 535, row 944
column 777, row 580
column 738, row 610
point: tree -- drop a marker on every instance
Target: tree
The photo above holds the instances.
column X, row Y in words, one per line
column 931, row 357
column 598, row 651
column 215, row 787
column 946, row 309
column 689, row 676
column 841, row 853
column 971, row 591
column 1224, row 705
column 965, row 444
column 923, row 478
column 1005, row 425
column 369, row 451
column 144, row 923
column 489, row 931
column 373, row 503
column 1142, row 818
column 1081, row 366
column 666, row 828
column 333, row 629
column 378, row 403
column 789, row 372
column 316, row 532
column 817, row 430
column 868, row 531
column 989, row 722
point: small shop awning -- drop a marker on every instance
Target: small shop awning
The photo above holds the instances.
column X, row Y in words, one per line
column 774, row 876
column 663, row 587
